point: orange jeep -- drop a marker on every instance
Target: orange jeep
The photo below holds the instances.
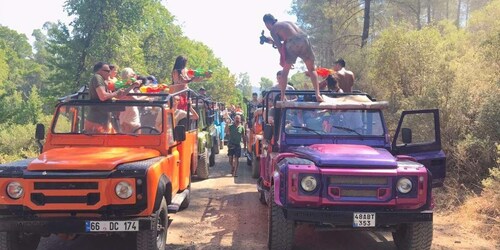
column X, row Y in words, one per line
column 254, row 133
column 122, row 174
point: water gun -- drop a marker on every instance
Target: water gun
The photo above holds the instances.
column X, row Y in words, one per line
column 324, row 72
column 263, row 39
column 154, row 88
column 121, row 84
column 199, row 73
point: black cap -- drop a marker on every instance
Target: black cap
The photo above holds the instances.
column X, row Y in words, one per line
column 202, row 89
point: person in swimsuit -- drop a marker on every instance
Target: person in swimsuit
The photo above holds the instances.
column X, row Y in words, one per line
column 291, row 42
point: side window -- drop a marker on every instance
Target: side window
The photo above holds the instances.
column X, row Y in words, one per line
column 170, row 129
column 422, row 128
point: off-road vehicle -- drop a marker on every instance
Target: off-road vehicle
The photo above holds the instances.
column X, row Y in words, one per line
column 332, row 165
column 100, row 177
column 254, row 132
column 207, row 133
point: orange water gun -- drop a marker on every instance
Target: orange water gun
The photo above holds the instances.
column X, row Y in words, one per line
column 154, row 88
column 324, row 72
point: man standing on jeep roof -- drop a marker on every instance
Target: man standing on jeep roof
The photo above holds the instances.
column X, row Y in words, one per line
column 345, row 77
column 236, row 133
column 295, row 44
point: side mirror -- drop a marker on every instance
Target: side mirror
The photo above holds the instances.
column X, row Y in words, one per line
column 40, row 135
column 268, row 131
column 406, row 134
column 180, row 133
column 40, row 132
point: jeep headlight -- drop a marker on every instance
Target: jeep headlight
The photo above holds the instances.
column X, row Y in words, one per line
column 123, row 189
column 15, row 190
column 308, row 183
column 404, row 185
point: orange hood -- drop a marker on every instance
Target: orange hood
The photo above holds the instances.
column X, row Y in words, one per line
column 92, row 158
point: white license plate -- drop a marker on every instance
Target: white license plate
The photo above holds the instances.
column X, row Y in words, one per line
column 111, row 226
column 363, row 220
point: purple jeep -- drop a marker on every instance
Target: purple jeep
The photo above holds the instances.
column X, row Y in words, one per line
column 332, row 164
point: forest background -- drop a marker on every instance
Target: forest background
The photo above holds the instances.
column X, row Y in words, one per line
column 416, row 54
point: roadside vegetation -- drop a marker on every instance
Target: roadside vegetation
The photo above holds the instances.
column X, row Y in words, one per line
column 441, row 54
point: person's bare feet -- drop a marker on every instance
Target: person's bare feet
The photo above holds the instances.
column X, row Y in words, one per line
column 319, row 98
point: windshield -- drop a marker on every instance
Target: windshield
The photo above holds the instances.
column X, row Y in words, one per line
column 333, row 122
column 116, row 118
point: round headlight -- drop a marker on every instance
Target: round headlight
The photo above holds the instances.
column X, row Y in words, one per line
column 15, row 190
column 123, row 189
column 308, row 183
column 404, row 185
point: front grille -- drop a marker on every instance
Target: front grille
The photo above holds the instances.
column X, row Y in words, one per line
column 358, row 193
column 41, row 199
column 66, row 186
column 358, row 180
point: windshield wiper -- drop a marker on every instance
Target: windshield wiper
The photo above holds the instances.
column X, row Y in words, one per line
column 86, row 133
column 308, row 129
column 120, row 133
column 347, row 129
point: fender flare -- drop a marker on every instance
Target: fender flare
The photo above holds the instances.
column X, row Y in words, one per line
column 164, row 189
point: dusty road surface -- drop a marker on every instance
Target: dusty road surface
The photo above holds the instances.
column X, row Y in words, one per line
column 225, row 213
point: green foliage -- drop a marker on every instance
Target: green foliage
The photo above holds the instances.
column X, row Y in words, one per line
column 17, row 139
column 244, row 85
column 450, row 69
column 265, row 83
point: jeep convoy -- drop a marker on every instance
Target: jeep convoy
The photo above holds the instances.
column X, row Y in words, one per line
column 330, row 165
column 112, row 180
column 333, row 165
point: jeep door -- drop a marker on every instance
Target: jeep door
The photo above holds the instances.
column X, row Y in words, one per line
column 418, row 135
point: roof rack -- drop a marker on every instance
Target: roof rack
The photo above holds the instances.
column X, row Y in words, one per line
column 307, row 99
column 82, row 95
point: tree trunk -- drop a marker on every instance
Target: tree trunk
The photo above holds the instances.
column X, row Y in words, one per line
column 366, row 23
column 429, row 12
column 418, row 10
column 447, row 9
column 467, row 12
column 458, row 13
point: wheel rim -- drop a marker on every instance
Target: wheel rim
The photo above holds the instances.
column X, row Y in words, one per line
column 160, row 232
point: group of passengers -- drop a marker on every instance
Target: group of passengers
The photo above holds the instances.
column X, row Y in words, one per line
column 132, row 118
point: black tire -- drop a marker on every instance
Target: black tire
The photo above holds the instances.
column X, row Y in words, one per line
column 262, row 198
column 155, row 239
column 18, row 241
column 416, row 235
column 211, row 160
column 202, row 169
column 255, row 166
column 280, row 230
column 187, row 200
column 215, row 147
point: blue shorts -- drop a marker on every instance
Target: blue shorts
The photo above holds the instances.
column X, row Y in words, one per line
column 234, row 150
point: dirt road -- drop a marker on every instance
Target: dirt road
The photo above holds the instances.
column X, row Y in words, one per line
column 225, row 213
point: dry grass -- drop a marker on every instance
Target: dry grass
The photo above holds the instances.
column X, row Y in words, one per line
column 479, row 214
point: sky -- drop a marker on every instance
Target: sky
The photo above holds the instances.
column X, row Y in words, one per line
column 231, row 28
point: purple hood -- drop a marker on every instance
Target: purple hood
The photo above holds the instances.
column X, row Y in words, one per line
column 347, row 155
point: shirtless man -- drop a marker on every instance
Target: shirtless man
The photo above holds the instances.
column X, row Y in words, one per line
column 344, row 77
column 295, row 44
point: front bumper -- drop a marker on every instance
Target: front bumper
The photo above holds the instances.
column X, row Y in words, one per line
column 61, row 225
column 345, row 218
